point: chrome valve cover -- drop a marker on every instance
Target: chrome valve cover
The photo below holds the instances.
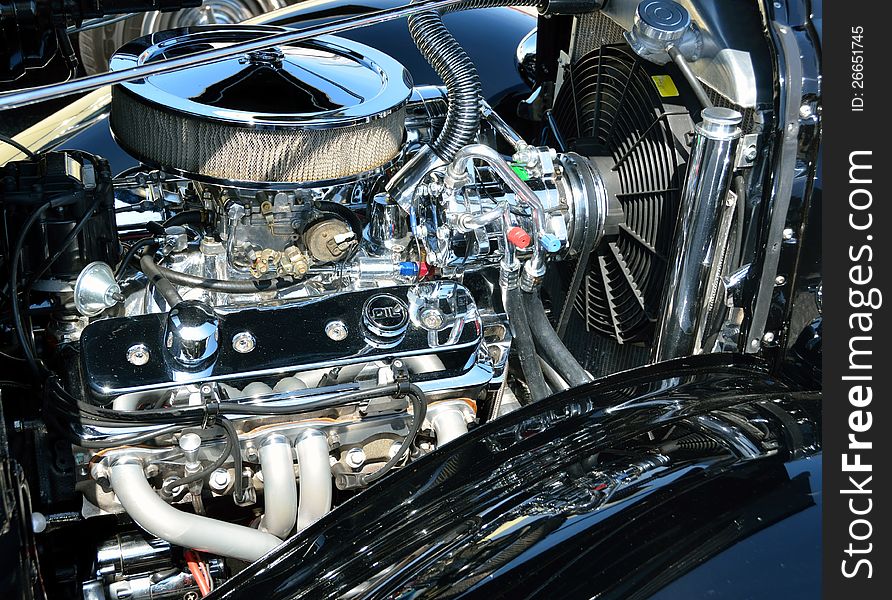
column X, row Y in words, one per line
column 274, row 341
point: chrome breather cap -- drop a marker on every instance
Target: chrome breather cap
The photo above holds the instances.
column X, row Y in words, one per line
column 192, row 335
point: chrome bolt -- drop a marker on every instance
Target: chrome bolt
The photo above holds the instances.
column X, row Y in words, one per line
column 244, row 342
column 219, row 480
column 138, row 355
column 780, row 280
column 788, row 234
column 355, row 458
column 251, row 453
column 805, row 111
column 768, row 337
column 750, row 153
column 432, row 319
column 152, row 470
column 336, row 330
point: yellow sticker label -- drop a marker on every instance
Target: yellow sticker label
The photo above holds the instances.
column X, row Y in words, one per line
column 665, row 85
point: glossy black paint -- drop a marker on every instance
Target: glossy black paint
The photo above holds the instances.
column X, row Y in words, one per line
column 793, row 305
column 550, row 502
column 493, row 54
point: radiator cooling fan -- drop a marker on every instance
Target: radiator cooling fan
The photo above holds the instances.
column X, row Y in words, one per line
column 611, row 108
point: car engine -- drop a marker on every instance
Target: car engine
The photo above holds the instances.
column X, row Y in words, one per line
column 319, row 271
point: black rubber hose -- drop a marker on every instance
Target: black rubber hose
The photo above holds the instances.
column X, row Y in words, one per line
column 526, row 349
column 159, row 280
column 240, row 483
column 187, row 217
column 235, row 286
column 548, row 342
column 453, row 65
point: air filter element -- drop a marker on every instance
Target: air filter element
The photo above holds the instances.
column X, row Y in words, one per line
column 311, row 112
column 611, row 108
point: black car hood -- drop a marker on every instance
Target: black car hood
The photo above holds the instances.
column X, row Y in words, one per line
column 519, row 508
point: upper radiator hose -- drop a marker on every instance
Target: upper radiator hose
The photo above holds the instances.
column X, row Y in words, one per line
column 453, row 65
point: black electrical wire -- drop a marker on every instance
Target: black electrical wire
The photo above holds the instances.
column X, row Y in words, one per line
column 21, row 148
column 419, row 411
column 240, row 485
column 64, row 403
column 228, row 450
column 73, row 408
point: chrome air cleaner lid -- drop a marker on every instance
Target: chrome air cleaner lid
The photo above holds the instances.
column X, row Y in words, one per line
column 309, row 112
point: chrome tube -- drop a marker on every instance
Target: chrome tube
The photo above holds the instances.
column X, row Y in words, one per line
column 469, row 221
column 692, row 277
column 456, row 173
column 315, row 478
column 92, row 82
column 505, row 130
column 279, row 486
column 682, row 63
column 184, row 529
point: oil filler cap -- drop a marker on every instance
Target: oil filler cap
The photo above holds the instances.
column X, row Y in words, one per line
column 385, row 316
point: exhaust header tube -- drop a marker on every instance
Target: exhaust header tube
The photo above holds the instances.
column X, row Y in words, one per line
column 696, row 256
column 315, row 478
column 180, row 528
column 279, row 486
